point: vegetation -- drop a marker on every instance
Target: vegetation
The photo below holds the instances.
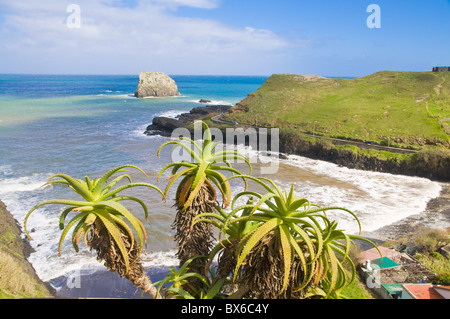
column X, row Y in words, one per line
column 295, row 137
column 101, row 220
column 179, row 279
column 430, row 162
column 382, row 155
column 15, row 282
column 356, row 290
column 428, row 243
column 404, row 109
column 284, row 239
column 196, row 192
column 278, row 250
column 439, row 264
column 428, row 254
column 277, row 245
column 17, row 277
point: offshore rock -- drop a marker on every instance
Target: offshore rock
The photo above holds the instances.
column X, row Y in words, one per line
column 156, row 84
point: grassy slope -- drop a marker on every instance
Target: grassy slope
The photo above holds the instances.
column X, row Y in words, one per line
column 17, row 277
column 396, row 108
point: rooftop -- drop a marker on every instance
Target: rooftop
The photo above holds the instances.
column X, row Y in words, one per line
column 444, row 291
column 422, row 291
column 384, row 263
column 373, row 253
column 393, row 288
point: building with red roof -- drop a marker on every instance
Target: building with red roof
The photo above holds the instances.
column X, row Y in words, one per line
column 424, row 291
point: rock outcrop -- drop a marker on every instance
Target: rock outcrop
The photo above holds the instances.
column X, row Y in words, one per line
column 164, row 126
column 21, row 280
column 156, row 84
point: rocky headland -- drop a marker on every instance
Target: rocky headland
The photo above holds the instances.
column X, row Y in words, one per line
column 156, row 84
column 421, row 164
column 164, row 126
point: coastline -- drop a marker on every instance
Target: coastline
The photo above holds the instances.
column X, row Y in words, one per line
column 103, row 284
column 291, row 143
column 436, row 213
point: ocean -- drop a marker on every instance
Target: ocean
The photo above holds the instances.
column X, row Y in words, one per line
column 87, row 125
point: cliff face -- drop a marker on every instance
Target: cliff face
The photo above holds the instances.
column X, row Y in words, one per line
column 156, row 84
column 18, row 278
column 431, row 165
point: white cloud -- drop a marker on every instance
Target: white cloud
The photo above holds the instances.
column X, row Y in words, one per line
column 127, row 39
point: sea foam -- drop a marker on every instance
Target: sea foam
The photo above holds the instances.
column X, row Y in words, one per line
column 378, row 199
column 212, row 102
column 20, row 184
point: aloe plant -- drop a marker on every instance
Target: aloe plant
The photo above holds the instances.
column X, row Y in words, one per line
column 286, row 250
column 199, row 177
column 105, row 224
column 331, row 276
column 234, row 233
column 179, row 279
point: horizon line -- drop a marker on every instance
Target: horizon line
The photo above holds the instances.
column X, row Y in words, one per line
column 207, row 75
column 211, row 75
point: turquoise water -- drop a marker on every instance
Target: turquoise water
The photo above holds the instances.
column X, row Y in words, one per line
column 50, row 120
column 81, row 125
column 86, row 125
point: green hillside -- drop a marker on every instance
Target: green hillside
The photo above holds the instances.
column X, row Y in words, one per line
column 404, row 109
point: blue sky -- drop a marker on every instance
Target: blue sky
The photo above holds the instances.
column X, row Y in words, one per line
column 229, row 37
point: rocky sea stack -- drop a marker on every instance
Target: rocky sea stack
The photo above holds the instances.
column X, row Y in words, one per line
column 156, row 84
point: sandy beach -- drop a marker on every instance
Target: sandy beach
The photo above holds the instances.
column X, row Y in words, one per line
column 436, row 216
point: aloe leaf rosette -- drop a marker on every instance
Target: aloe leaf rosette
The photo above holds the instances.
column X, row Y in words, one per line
column 201, row 177
column 284, row 245
column 101, row 219
column 202, row 168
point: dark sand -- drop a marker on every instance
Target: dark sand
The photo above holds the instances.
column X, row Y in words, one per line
column 435, row 216
column 102, row 284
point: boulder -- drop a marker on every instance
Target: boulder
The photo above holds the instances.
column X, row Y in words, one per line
column 156, row 84
column 164, row 124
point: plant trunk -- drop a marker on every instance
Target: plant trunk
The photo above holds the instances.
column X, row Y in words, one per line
column 227, row 260
column 264, row 271
column 108, row 251
column 196, row 241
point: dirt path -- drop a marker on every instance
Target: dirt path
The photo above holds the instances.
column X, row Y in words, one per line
column 438, row 88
